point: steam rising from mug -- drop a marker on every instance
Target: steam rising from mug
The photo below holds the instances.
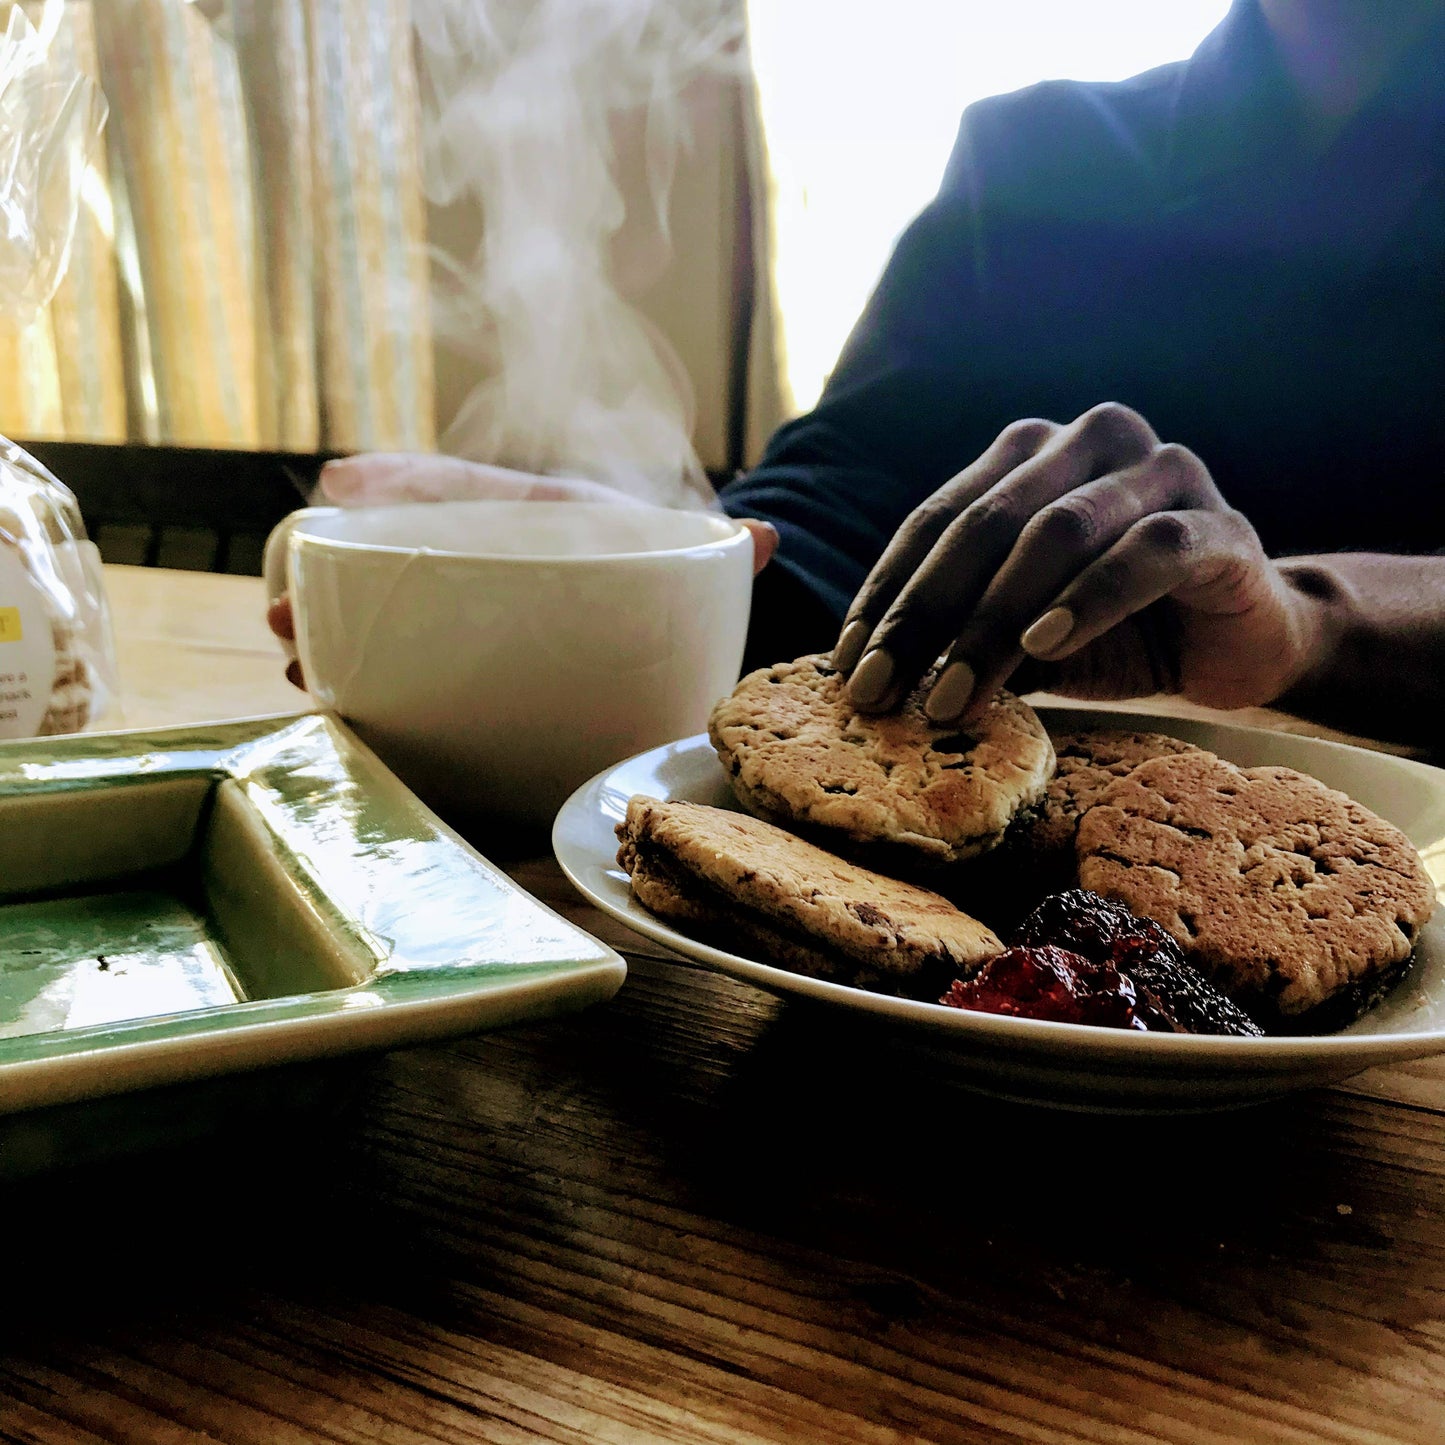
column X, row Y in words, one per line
column 522, row 100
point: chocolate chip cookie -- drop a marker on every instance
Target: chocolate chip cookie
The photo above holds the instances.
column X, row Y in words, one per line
column 745, row 884
column 895, row 789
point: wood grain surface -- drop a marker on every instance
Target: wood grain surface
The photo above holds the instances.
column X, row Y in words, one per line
column 703, row 1214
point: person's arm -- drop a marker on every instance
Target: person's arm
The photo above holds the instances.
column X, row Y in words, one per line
column 1379, row 665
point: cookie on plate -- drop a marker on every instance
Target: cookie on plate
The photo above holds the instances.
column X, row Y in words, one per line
column 740, row 882
column 1040, row 842
column 1088, row 761
column 1302, row 905
column 896, row 789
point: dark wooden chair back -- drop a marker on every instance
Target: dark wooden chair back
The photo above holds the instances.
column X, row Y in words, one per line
column 197, row 509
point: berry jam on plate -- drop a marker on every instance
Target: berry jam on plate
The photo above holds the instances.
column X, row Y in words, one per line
column 1081, row 958
column 1049, row 983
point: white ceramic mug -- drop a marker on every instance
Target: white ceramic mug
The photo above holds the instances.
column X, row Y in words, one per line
column 497, row 654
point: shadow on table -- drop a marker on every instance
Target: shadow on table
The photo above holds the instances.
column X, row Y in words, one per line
column 228, row 1109
column 697, row 1131
column 848, row 1118
column 834, row 1132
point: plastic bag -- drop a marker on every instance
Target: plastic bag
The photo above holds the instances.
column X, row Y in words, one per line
column 51, row 117
column 57, row 653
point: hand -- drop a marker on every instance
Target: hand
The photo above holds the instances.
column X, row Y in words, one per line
column 382, row 477
column 1103, row 560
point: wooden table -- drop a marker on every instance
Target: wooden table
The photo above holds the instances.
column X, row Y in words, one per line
column 700, row 1214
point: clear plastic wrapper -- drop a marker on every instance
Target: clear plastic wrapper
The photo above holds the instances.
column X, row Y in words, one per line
column 51, row 116
column 57, row 651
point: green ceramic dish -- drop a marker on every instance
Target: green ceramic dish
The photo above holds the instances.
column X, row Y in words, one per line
column 200, row 901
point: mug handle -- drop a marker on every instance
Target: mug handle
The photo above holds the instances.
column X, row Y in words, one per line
column 275, row 569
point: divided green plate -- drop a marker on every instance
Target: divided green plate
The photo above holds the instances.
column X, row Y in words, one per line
column 200, row 901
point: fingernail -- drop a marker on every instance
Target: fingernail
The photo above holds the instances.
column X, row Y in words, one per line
column 337, row 481
column 1048, row 633
column 851, row 642
column 293, row 674
column 950, row 693
column 870, row 683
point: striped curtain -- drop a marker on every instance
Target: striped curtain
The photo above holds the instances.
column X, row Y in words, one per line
column 85, row 315
column 178, row 132
column 375, row 298
column 250, row 265
column 273, row 51
column 65, row 371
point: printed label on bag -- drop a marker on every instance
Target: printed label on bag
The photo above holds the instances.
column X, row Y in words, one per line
column 27, row 650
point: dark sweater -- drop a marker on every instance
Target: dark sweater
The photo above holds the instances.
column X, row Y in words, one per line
column 1170, row 242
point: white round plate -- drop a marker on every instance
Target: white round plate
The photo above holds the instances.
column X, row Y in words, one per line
column 1073, row 1065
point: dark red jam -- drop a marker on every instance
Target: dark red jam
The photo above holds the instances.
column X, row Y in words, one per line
column 1048, row 983
column 1172, row 995
column 1083, row 959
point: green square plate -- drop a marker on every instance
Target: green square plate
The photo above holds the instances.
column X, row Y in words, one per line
column 201, row 901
